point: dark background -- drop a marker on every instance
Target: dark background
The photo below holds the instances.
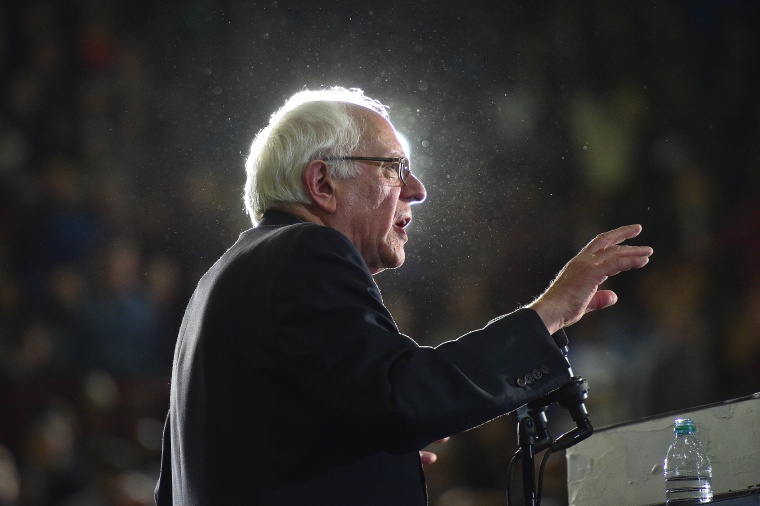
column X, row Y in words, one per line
column 535, row 125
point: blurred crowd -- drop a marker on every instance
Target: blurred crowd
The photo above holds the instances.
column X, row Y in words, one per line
column 123, row 129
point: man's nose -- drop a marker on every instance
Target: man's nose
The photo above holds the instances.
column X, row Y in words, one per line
column 414, row 191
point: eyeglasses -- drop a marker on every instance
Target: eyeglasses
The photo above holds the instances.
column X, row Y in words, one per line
column 402, row 163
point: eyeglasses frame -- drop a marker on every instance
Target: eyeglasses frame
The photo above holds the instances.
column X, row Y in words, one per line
column 402, row 161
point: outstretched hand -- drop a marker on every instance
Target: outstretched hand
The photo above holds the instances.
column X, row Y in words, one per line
column 575, row 290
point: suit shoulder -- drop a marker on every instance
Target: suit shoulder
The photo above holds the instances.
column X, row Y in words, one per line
column 308, row 236
column 319, row 233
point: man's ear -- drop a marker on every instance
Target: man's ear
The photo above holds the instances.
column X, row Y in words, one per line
column 319, row 186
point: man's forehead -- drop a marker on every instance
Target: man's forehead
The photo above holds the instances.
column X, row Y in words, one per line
column 367, row 115
column 379, row 132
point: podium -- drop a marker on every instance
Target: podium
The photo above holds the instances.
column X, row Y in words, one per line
column 623, row 464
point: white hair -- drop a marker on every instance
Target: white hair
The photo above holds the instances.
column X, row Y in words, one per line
column 311, row 125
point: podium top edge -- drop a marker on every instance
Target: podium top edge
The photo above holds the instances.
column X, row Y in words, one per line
column 670, row 414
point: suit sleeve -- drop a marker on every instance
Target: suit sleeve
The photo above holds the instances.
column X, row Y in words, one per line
column 340, row 345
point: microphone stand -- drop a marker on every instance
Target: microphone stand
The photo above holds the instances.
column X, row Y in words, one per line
column 526, row 437
column 533, row 435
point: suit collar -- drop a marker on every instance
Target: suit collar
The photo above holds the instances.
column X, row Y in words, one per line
column 273, row 217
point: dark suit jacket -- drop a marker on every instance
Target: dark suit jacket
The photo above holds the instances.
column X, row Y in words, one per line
column 293, row 386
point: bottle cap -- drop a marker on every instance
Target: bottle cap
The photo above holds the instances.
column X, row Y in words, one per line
column 684, row 426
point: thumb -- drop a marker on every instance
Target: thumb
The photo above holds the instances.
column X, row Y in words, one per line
column 601, row 300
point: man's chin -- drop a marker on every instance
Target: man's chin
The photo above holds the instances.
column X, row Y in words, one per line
column 392, row 262
column 399, row 262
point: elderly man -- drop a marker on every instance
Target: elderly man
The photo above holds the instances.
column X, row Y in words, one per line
column 292, row 384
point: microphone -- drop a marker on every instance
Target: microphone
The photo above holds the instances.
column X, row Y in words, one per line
column 571, row 397
column 561, row 340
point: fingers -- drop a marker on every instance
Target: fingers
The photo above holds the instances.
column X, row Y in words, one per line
column 634, row 257
column 620, row 258
column 607, row 239
column 606, row 250
column 427, row 457
column 626, row 258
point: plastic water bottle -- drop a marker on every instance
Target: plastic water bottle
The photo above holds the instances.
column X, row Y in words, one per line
column 688, row 474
